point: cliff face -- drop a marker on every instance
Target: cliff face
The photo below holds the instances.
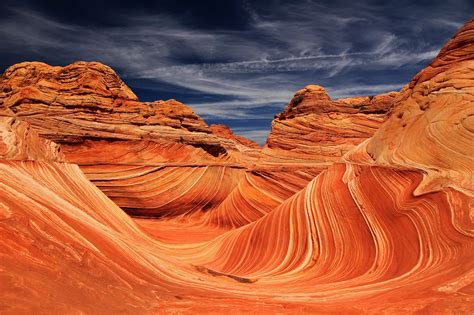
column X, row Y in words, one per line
column 357, row 205
column 19, row 142
column 161, row 159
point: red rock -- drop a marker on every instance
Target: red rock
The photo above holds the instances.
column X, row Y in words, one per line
column 96, row 121
column 225, row 132
column 382, row 228
column 432, row 125
column 315, row 130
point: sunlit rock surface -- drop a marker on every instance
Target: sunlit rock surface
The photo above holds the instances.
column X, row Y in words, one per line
column 354, row 206
column 438, row 107
column 315, row 130
column 308, row 136
column 134, row 151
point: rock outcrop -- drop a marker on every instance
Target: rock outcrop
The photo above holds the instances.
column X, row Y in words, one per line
column 347, row 209
column 151, row 158
column 313, row 129
column 433, row 123
column 225, row 132
column 87, row 101
column 311, row 133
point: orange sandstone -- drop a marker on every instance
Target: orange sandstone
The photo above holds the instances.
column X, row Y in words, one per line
column 354, row 206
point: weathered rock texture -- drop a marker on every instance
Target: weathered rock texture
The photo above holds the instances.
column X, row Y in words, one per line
column 86, row 102
column 433, row 123
column 152, row 158
column 380, row 222
column 315, row 130
column 308, row 136
column 225, row 132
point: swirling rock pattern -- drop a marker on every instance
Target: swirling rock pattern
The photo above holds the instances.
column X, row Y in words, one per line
column 152, row 159
column 437, row 106
column 125, row 146
column 309, row 135
column 379, row 222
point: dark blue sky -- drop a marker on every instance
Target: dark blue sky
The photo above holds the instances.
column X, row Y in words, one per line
column 236, row 62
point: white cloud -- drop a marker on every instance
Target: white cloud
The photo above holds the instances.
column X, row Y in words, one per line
column 360, row 90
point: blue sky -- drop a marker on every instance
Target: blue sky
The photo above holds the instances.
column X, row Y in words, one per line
column 236, row 62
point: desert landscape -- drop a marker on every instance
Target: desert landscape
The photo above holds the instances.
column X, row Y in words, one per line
column 360, row 205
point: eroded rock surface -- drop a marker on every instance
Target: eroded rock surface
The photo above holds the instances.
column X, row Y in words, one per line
column 347, row 209
column 313, row 129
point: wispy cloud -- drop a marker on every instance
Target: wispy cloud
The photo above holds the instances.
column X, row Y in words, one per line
column 362, row 89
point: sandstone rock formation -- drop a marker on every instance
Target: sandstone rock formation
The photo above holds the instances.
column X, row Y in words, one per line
column 308, row 136
column 315, row 130
column 225, row 132
column 83, row 102
column 347, row 209
column 120, row 143
column 437, row 107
